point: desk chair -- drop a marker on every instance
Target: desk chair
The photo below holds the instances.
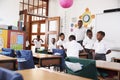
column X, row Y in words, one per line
column 25, row 59
column 9, row 75
column 8, row 52
column 61, row 53
column 88, row 69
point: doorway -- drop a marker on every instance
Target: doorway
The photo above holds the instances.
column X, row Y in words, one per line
column 38, row 28
column 47, row 29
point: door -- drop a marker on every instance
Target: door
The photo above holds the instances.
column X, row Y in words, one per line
column 52, row 29
column 38, row 28
column 47, row 29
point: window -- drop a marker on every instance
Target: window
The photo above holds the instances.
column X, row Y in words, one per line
column 38, row 7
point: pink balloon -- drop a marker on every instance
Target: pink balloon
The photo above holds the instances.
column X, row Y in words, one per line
column 66, row 3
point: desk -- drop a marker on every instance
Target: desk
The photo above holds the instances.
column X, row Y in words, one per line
column 83, row 55
column 6, row 59
column 115, row 59
column 109, row 66
column 45, row 74
column 46, row 60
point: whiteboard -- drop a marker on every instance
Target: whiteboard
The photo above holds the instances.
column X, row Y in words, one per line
column 110, row 24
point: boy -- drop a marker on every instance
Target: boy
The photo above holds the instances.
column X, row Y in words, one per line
column 79, row 32
column 60, row 42
column 52, row 45
column 88, row 43
column 100, row 49
column 37, row 41
column 73, row 47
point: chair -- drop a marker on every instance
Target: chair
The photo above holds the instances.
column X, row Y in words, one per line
column 9, row 75
column 8, row 52
column 25, row 59
column 61, row 53
column 88, row 70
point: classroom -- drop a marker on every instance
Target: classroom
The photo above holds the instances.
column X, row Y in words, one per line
column 59, row 40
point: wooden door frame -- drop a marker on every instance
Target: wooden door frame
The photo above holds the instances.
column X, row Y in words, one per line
column 38, row 23
column 51, row 32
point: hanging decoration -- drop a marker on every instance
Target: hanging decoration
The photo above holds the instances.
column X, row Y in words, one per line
column 66, row 3
column 87, row 17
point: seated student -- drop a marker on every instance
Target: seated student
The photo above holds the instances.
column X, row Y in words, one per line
column 88, row 43
column 73, row 47
column 27, row 44
column 100, row 48
column 60, row 43
column 52, row 45
column 37, row 41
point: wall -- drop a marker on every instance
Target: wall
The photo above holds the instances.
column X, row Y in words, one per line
column 9, row 12
column 79, row 6
column 119, row 3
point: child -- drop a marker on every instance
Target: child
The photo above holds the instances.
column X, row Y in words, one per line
column 79, row 32
column 88, row 43
column 60, row 42
column 73, row 47
column 27, row 43
column 37, row 41
column 52, row 45
column 100, row 49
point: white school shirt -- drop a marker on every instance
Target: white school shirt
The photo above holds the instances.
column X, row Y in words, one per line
column 60, row 42
column 73, row 48
column 51, row 47
column 79, row 33
column 37, row 43
column 100, row 47
column 88, row 43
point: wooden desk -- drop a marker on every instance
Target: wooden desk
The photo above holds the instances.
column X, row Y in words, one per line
column 83, row 55
column 46, row 60
column 109, row 66
column 45, row 74
column 6, row 59
column 116, row 59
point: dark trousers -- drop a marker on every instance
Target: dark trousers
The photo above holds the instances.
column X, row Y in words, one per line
column 81, row 42
column 36, row 49
column 90, row 56
column 100, row 57
column 27, row 48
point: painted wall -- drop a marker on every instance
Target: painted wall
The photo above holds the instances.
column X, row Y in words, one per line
column 9, row 12
column 119, row 3
column 78, row 8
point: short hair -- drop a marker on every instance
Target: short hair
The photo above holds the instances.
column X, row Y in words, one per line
column 80, row 21
column 38, row 36
column 102, row 33
column 89, row 31
column 61, row 34
column 72, row 37
column 53, row 38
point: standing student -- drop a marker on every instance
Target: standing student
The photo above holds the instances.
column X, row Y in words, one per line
column 88, row 43
column 73, row 47
column 52, row 45
column 79, row 32
column 60, row 43
column 37, row 41
column 100, row 48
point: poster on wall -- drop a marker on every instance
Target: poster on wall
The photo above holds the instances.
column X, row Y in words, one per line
column 3, row 38
column 16, row 40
